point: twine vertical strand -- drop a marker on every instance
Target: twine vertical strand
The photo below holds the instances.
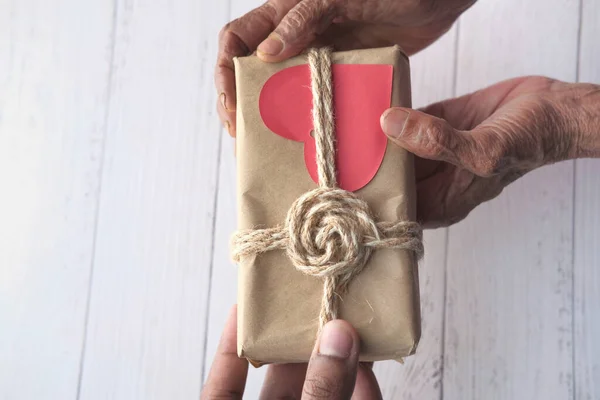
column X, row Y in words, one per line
column 319, row 61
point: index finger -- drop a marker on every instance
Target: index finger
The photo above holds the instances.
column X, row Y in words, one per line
column 227, row 377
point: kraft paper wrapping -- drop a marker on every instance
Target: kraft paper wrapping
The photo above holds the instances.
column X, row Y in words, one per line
column 278, row 307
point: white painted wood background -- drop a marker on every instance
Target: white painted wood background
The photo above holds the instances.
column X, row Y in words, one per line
column 117, row 202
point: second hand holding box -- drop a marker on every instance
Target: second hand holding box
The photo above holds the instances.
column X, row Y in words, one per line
column 278, row 305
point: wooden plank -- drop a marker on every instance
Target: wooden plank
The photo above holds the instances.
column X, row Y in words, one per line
column 432, row 73
column 53, row 85
column 587, row 229
column 509, row 292
column 587, row 280
column 151, row 270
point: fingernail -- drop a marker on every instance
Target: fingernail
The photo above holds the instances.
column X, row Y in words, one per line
column 223, row 98
column 271, row 46
column 393, row 122
column 335, row 340
column 228, row 127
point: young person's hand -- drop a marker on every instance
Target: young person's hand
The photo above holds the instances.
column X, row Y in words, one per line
column 333, row 371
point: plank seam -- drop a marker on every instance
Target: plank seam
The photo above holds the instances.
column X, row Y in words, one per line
column 573, row 223
column 573, row 286
column 579, row 33
column 107, row 101
column 212, row 259
column 444, row 296
column 447, row 241
column 212, row 244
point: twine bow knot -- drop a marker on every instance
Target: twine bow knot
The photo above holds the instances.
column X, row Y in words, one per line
column 328, row 232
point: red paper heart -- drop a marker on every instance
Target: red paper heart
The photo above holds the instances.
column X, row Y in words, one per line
column 362, row 92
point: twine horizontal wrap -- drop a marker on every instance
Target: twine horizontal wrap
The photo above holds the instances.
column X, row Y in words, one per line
column 329, row 232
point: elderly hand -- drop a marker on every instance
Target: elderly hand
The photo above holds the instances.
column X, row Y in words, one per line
column 333, row 371
column 473, row 146
column 280, row 29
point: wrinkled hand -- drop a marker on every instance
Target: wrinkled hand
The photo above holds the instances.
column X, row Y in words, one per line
column 280, row 29
column 333, row 371
column 473, row 146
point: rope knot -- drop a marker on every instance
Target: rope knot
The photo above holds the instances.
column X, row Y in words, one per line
column 328, row 231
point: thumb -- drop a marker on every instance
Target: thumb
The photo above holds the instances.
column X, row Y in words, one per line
column 333, row 364
column 297, row 30
column 477, row 150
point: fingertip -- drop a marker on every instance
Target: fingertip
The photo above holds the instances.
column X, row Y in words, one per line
column 383, row 118
column 393, row 121
column 227, row 100
column 341, row 325
column 287, row 53
column 334, row 362
column 228, row 119
column 338, row 339
column 275, row 49
column 228, row 127
column 271, row 47
column 366, row 384
column 225, row 84
column 230, row 332
column 223, row 100
column 280, row 47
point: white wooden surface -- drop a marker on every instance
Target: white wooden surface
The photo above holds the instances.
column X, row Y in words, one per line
column 54, row 72
column 586, row 247
column 510, row 265
column 148, row 299
column 118, row 199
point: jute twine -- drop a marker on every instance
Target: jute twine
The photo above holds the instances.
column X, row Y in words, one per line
column 329, row 232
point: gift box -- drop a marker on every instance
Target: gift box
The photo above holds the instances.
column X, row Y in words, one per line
column 279, row 305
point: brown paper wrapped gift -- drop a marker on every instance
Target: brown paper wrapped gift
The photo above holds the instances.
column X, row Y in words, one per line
column 278, row 306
